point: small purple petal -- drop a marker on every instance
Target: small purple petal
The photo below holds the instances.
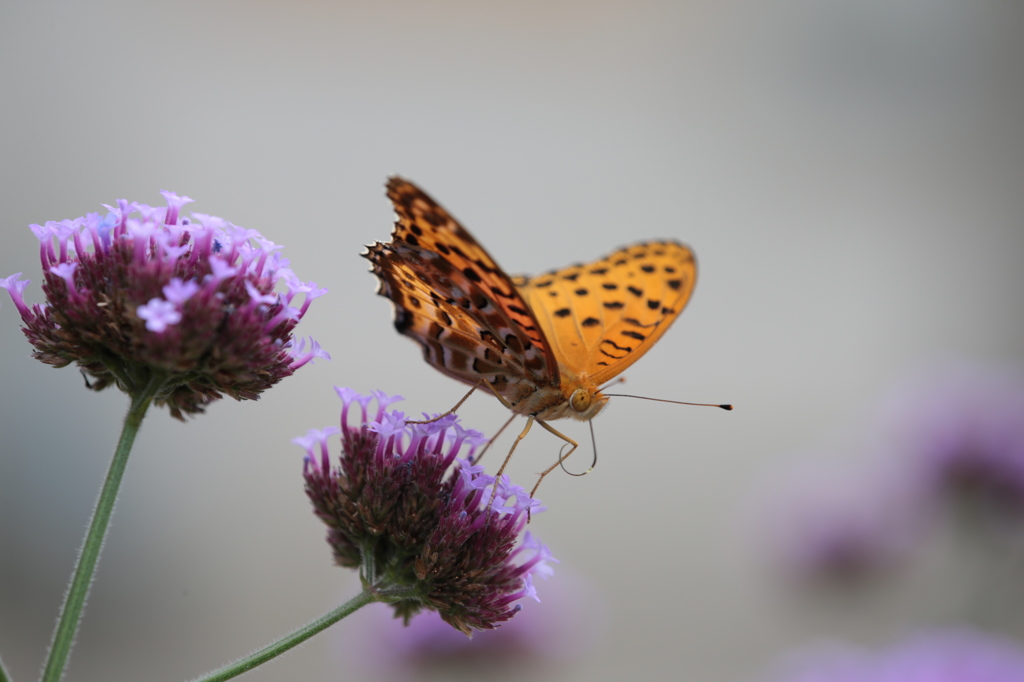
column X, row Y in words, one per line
column 169, row 243
column 390, row 424
column 384, row 401
column 257, row 297
column 297, row 351
column 316, row 439
column 66, row 271
column 220, row 269
column 158, row 314
column 176, row 291
column 174, row 204
column 14, row 287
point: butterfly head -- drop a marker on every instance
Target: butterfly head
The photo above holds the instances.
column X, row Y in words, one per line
column 585, row 402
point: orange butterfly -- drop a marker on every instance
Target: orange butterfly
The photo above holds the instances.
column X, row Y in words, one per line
column 544, row 344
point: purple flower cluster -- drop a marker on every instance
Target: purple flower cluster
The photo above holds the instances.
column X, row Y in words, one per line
column 937, row 656
column 412, row 515
column 143, row 295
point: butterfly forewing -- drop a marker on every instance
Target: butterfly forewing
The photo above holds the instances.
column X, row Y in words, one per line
column 453, row 299
column 601, row 317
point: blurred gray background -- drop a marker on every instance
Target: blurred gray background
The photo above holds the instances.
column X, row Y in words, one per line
column 849, row 173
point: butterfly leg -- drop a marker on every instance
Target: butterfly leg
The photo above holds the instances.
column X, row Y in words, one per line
column 451, row 411
column 493, row 438
column 561, row 459
column 501, row 469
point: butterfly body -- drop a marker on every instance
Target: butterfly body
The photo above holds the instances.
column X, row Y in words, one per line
column 544, row 344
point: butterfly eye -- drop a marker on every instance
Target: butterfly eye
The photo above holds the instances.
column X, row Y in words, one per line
column 580, row 400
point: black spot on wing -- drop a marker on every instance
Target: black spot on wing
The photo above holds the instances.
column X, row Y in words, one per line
column 498, row 291
column 403, row 320
column 434, row 217
column 637, row 323
column 622, row 351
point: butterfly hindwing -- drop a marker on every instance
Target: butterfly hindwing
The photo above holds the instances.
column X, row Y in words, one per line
column 602, row 316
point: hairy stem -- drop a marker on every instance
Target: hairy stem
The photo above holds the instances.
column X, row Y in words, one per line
column 74, row 601
column 284, row 644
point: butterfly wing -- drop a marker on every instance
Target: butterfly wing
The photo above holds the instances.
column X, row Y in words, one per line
column 601, row 317
column 456, row 302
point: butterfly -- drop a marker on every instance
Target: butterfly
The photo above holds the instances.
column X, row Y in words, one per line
column 544, row 345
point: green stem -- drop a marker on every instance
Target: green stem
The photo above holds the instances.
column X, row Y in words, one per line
column 64, row 637
column 4, row 675
column 299, row 636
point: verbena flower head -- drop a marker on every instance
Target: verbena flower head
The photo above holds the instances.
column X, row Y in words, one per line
column 142, row 294
column 950, row 655
column 414, row 516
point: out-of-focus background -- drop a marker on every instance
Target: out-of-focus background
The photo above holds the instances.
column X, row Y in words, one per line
column 849, row 173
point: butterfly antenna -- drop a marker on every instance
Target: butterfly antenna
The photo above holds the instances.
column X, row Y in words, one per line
column 660, row 400
column 619, row 380
column 593, row 462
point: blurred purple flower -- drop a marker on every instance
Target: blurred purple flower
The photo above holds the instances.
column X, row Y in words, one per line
column 842, row 525
column 142, row 295
column 409, row 513
column 961, row 433
column 957, row 436
column 563, row 628
column 950, row 655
